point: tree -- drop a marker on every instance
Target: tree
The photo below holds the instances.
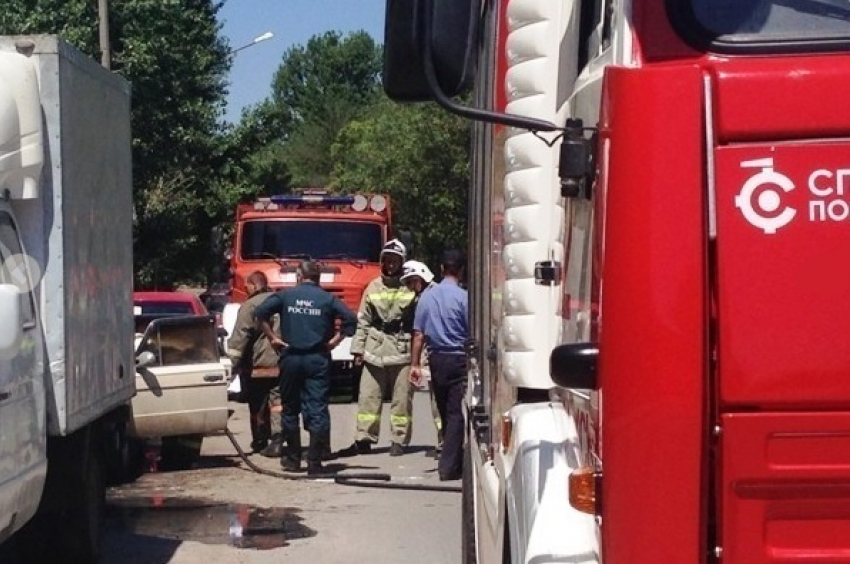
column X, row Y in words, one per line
column 419, row 155
column 316, row 91
column 171, row 53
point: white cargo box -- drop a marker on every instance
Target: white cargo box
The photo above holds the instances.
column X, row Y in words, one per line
column 78, row 229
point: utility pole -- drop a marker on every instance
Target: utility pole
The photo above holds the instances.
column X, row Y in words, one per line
column 103, row 20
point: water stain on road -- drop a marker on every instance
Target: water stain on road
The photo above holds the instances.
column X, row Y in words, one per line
column 209, row 522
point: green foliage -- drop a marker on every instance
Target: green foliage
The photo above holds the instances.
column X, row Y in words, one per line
column 171, row 53
column 318, row 90
column 74, row 20
column 325, row 123
column 419, row 155
column 330, row 73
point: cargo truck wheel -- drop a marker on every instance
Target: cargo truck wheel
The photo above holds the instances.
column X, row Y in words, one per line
column 123, row 455
column 84, row 514
column 67, row 526
column 180, row 452
column 467, row 504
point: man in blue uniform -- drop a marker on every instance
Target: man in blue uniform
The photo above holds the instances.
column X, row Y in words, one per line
column 308, row 316
column 441, row 322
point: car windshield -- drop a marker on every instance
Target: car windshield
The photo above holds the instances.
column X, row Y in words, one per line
column 350, row 240
column 774, row 20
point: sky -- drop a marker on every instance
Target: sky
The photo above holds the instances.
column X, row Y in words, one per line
column 293, row 23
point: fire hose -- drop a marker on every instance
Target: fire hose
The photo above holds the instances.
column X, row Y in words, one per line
column 362, row 479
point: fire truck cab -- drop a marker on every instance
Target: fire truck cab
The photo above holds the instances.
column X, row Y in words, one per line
column 343, row 233
column 657, row 212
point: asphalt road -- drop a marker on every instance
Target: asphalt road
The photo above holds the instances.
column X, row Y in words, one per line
column 221, row 511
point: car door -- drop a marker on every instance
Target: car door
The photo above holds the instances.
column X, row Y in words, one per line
column 181, row 385
column 23, row 434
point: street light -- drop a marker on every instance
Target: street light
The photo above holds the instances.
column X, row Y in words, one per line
column 260, row 38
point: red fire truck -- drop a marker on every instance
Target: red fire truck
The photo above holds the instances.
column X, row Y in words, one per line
column 671, row 180
column 343, row 233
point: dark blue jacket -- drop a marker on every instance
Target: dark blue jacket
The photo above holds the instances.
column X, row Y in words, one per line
column 307, row 316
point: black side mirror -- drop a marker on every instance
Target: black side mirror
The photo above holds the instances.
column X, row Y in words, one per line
column 431, row 53
column 447, row 29
column 574, row 365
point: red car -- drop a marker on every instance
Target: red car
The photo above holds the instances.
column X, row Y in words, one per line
column 168, row 303
column 148, row 306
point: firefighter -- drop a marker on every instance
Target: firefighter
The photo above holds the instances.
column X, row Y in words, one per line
column 418, row 278
column 382, row 346
column 308, row 315
column 255, row 361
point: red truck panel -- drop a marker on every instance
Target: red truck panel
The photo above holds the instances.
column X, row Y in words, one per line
column 801, row 98
column 652, row 366
column 786, row 488
column 784, row 275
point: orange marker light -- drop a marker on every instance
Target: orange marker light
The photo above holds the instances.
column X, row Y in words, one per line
column 586, row 490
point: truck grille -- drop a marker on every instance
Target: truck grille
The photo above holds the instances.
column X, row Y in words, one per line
column 350, row 296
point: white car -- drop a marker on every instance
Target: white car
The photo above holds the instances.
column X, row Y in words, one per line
column 181, row 386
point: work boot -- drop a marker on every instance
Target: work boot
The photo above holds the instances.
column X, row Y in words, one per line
column 275, row 448
column 327, row 453
column 318, row 444
column 289, row 464
column 258, row 445
column 292, row 450
column 396, row 449
column 357, row 447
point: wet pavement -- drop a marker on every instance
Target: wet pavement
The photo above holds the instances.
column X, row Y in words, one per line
column 206, row 521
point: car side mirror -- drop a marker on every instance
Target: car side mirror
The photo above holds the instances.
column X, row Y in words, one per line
column 11, row 320
column 573, row 365
column 145, row 359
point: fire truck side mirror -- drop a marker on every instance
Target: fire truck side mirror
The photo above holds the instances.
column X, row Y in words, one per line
column 431, row 54
column 573, row 365
column 444, row 31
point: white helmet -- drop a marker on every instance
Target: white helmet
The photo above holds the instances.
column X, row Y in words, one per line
column 396, row 247
column 416, row 268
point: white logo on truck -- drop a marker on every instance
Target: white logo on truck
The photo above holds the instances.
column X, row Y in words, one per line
column 760, row 198
column 828, row 203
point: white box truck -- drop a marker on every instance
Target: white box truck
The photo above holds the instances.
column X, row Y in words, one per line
column 66, row 326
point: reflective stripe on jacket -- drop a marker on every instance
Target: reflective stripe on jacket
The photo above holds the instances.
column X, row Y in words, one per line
column 384, row 323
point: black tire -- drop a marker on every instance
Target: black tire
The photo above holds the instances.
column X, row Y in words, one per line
column 115, row 451
column 67, row 526
column 180, row 452
column 467, row 504
column 123, row 455
column 133, row 461
column 84, row 516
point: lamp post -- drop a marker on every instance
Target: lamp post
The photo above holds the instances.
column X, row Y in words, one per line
column 103, row 29
column 260, row 38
